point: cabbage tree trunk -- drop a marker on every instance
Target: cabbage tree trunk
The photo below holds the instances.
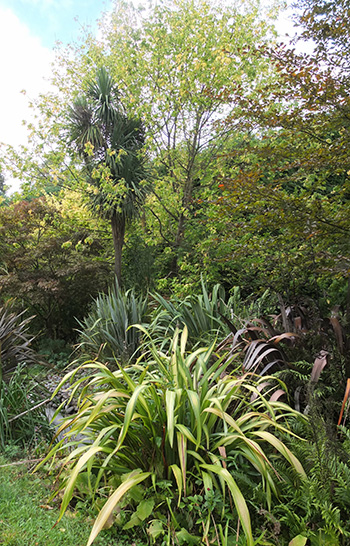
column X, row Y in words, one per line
column 118, row 233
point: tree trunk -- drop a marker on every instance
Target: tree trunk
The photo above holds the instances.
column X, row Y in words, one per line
column 176, row 245
column 180, row 234
column 118, row 232
column 285, row 321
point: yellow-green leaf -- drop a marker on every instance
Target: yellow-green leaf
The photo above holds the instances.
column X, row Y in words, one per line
column 238, row 499
column 118, row 494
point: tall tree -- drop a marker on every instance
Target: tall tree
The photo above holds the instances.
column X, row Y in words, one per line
column 174, row 61
column 111, row 145
column 288, row 192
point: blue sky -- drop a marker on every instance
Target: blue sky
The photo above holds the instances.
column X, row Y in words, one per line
column 52, row 20
column 29, row 30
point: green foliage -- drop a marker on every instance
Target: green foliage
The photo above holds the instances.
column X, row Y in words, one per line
column 318, row 508
column 250, row 187
column 177, row 92
column 217, row 204
column 105, row 136
column 56, row 352
column 202, row 315
column 207, row 315
column 15, row 340
column 53, row 260
column 176, row 88
column 19, row 396
column 185, row 429
column 286, row 192
column 106, row 332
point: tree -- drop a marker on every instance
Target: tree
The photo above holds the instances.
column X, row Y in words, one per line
column 2, row 185
column 111, row 144
column 167, row 61
column 52, row 260
column 174, row 62
column 284, row 208
column 173, row 65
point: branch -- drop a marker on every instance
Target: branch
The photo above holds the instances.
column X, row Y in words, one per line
column 164, row 207
column 160, row 228
column 28, row 411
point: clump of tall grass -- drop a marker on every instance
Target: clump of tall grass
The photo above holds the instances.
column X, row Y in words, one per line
column 105, row 333
column 177, row 424
column 23, row 421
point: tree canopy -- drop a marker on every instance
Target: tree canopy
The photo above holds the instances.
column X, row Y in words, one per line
column 246, row 143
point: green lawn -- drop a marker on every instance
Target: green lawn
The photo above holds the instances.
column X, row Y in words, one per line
column 26, row 517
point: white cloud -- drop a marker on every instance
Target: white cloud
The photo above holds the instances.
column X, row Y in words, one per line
column 24, row 63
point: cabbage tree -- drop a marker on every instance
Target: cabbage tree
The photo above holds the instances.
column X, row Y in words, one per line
column 110, row 144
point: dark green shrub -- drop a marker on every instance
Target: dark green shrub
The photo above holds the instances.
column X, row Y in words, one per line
column 106, row 331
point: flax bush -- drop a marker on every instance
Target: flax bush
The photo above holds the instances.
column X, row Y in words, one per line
column 169, row 439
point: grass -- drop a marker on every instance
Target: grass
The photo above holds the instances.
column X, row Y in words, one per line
column 27, row 519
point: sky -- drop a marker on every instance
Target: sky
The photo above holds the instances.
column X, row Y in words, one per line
column 29, row 30
column 51, row 20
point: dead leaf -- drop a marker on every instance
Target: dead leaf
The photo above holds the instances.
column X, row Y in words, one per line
column 319, row 364
column 276, row 395
column 346, row 396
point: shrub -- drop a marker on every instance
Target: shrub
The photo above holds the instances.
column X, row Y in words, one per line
column 22, row 419
column 52, row 254
column 173, row 438
column 201, row 314
column 105, row 331
column 15, row 340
